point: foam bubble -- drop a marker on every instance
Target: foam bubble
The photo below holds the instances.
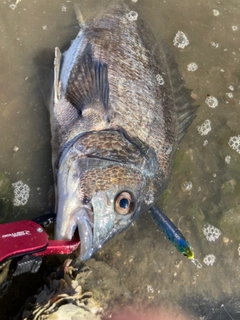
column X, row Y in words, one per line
column 211, row 233
column 180, row 40
column 132, row 16
column 160, row 79
column 212, row 102
column 234, row 28
column 228, row 159
column 12, row 6
column 209, row 259
column 234, row 143
column 229, row 94
column 214, row 44
column 215, row 12
column 186, row 186
column 204, row 128
column 192, row 66
column 205, row 142
column 150, row 289
column 21, row 193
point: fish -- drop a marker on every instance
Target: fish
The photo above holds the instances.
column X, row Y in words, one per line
column 172, row 232
column 120, row 109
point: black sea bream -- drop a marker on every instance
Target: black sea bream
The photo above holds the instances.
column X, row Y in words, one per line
column 120, row 109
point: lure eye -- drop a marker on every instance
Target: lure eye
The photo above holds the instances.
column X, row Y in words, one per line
column 185, row 255
column 124, row 203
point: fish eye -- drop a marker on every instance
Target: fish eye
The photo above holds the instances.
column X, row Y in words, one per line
column 124, row 203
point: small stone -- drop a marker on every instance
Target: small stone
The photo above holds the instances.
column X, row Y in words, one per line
column 225, row 240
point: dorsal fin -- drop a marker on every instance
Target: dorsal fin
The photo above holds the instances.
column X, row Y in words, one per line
column 88, row 81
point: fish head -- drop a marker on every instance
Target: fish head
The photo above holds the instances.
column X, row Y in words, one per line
column 104, row 181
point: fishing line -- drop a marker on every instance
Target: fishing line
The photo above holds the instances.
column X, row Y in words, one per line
column 223, row 307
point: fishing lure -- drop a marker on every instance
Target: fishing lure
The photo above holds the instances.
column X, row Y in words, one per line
column 172, row 232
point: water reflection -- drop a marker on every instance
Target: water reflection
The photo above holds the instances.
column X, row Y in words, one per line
column 141, row 256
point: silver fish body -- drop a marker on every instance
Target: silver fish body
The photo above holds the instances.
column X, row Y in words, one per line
column 120, row 109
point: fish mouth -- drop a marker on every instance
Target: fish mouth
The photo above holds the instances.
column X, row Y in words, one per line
column 80, row 222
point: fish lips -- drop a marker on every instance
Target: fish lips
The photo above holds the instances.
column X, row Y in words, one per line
column 94, row 227
column 79, row 220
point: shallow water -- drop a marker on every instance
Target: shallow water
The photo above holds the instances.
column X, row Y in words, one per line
column 150, row 269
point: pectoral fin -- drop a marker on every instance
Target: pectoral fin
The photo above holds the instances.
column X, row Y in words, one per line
column 88, row 81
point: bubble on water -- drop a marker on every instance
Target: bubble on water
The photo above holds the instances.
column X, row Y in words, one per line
column 134, row 0
column 234, row 28
column 212, row 102
column 150, row 289
column 204, row 128
column 214, row 175
column 229, row 94
column 234, row 143
column 215, row 12
column 209, row 259
column 211, row 233
column 186, row 186
column 228, row 159
column 21, row 193
column 222, row 70
column 12, row 6
column 231, row 88
column 205, row 142
column 132, row 16
column 44, row 27
column 239, row 249
column 214, row 44
column 160, row 79
column 64, row 8
column 180, row 40
column 192, row 66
